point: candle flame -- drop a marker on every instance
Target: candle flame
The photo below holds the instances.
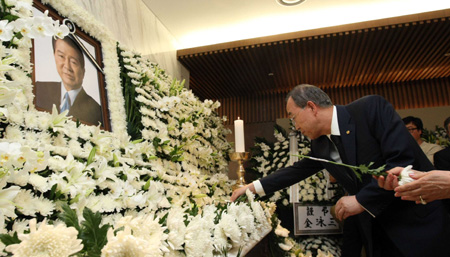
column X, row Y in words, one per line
column 239, row 118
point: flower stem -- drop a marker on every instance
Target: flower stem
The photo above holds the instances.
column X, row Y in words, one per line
column 363, row 169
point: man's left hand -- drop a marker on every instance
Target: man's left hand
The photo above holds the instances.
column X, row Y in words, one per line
column 347, row 206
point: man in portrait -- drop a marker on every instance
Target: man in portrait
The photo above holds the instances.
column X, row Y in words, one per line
column 68, row 94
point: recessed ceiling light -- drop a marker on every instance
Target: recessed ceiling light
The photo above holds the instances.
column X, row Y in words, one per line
column 290, row 2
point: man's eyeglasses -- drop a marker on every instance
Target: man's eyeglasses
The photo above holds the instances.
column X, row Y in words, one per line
column 411, row 129
column 292, row 119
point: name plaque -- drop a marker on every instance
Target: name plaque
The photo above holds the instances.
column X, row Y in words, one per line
column 315, row 220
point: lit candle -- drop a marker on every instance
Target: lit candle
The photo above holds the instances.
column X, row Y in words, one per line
column 239, row 136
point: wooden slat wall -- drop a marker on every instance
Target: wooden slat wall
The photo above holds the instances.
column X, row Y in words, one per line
column 405, row 95
column 405, row 59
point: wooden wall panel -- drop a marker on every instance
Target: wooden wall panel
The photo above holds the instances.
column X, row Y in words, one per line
column 405, row 95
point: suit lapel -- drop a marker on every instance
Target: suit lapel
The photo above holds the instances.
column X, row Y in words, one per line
column 322, row 150
column 348, row 134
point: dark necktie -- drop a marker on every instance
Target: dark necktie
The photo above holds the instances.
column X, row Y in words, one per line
column 338, row 143
column 340, row 147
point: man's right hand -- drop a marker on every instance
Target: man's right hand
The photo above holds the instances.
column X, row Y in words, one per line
column 389, row 182
column 240, row 191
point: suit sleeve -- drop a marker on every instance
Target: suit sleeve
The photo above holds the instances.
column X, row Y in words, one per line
column 396, row 148
column 290, row 175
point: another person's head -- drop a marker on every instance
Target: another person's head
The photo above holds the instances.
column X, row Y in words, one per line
column 447, row 125
column 69, row 62
column 414, row 126
column 303, row 104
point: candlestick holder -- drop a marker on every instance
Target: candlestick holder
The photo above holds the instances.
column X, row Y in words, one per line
column 240, row 158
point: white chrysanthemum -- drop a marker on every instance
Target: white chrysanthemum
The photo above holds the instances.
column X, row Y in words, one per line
column 148, row 228
column 174, row 253
column 198, row 241
column 281, row 231
column 24, row 200
column 177, row 228
column 258, row 211
column 39, row 183
column 124, row 244
column 47, row 240
column 227, row 228
column 20, row 225
column 323, row 254
column 29, row 204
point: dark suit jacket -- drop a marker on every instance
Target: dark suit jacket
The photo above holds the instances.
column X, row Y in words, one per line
column 371, row 131
column 84, row 108
column 442, row 159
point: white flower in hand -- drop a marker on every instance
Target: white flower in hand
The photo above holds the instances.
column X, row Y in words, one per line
column 404, row 175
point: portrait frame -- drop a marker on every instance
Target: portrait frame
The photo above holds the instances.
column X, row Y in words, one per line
column 44, row 65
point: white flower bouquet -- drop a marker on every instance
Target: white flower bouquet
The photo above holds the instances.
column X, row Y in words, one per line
column 150, row 196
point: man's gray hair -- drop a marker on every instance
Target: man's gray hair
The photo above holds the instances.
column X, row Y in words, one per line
column 303, row 93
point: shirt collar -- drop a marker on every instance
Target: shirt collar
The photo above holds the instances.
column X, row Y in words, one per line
column 72, row 93
column 334, row 123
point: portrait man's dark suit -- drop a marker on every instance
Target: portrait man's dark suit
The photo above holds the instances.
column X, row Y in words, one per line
column 371, row 131
column 84, row 108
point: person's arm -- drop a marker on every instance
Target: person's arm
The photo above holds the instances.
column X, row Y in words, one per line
column 280, row 179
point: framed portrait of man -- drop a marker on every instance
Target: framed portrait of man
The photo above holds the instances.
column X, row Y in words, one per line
column 68, row 73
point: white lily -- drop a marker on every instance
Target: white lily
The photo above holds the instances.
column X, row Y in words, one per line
column 58, row 120
column 61, row 31
column 6, row 30
column 7, row 205
column 7, row 94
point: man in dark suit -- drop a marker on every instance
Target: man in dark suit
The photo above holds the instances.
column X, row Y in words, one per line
column 68, row 95
column 442, row 158
column 369, row 130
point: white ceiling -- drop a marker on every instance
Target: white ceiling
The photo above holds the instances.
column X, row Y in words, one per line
column 196, row 23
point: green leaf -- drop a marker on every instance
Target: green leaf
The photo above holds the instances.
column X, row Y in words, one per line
column 116, row 160
column 93, row 236
column 91, row 155
column 147, row 184
column 69, row 217
column 9, row 240
column 163, row 220
column 10, row 17
column 137, row 141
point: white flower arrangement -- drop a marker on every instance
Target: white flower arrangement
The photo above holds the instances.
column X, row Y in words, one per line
column 161, row 195
column 268, row 158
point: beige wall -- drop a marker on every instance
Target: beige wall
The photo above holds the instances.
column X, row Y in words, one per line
column 136, row 27
column 430, row 116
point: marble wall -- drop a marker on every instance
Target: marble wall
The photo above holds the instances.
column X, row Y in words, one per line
column 135, row 26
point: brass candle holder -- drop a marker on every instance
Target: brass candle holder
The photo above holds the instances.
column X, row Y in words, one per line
column 240, row 158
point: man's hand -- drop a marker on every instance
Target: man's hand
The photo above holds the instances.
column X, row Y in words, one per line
column 347, row 206
column 391, row 181
column 240, row 191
